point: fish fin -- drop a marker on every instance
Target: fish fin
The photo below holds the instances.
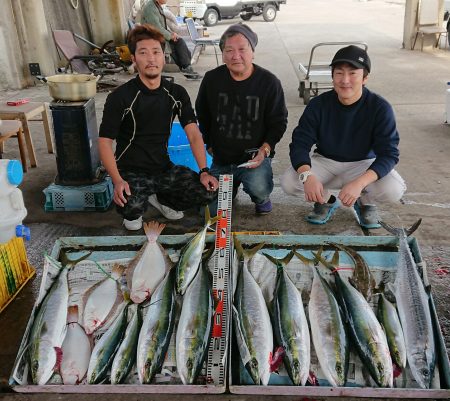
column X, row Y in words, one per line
column 153, row 229
column 302, row 258
column 117, row 271
column 280, row 263
column 207, row 253
column 321, row 259
column 400, row 231
column 207, row 214
column 276, row 359
column 65, row 261
column 335, row 258
column 246, row 253
column 72, row 314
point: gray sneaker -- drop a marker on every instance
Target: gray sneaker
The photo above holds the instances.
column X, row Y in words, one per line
column 367, row 215
column 322, row 212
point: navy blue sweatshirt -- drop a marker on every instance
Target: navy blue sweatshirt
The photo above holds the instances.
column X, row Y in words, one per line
column 364, row 130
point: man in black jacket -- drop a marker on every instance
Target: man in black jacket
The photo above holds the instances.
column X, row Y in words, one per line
column 138, row 116
column 242, row 115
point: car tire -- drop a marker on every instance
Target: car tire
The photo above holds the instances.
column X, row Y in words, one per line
column 246, row 16
column 211, row 17
column 269, row 12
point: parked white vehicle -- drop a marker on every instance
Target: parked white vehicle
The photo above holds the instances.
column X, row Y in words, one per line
column 212, row 11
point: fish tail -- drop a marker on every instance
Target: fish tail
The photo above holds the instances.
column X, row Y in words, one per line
column 319, row 258
column 246, row 253
column 152, row 230
column 72, row 314
column 65, row 261
column 304, row 259
column 280, row 263
column 399, row 231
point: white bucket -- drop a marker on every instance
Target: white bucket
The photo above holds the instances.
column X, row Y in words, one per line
column 12, row 207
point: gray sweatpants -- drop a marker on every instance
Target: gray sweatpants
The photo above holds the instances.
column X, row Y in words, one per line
column 334, row 175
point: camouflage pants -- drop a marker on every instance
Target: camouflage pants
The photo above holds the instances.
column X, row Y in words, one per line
column 178, row 188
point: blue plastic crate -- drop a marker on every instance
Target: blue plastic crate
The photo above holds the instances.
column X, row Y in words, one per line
column 180, row 151
column 87, row 198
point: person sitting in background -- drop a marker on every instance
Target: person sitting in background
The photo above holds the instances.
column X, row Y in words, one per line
column 242, row 115
column 356, row 139
column 153, row 14
column 138, row 116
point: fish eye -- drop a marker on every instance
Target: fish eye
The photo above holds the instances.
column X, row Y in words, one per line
column 189, row 364
column 425, row 372
column 338, row 369
column 254, row 363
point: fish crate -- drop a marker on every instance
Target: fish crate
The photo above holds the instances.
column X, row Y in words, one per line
column 87, row 198
column 381, row 254
column 15, row 270
column 106, row 251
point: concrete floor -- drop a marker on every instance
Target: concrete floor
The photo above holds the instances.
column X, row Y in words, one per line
column 414, row 82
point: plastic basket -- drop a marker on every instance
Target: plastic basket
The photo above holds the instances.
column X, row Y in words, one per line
column 180, row 151
column 88, row 198
column 15, row 270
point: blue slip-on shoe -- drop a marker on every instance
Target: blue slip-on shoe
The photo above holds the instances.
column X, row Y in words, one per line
column 322, row 212
column 263, row 208
column 367, row 215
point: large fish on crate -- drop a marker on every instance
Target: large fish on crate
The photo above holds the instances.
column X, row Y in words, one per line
column 76, row 350
column 290, row 324
column 156, row 330
column 126, row 354
column 149, row 266
column 194, row 326
column 414, row 310
column 388, row 317
column 365, row 330
column 328, row 331
column 191, row 256
column 106, row 347
column 49, row 326
column 252, row 324
column 102, row 300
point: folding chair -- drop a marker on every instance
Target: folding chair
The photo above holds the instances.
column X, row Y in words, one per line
column 199, row 42
column 85, row 64
column 428, row 22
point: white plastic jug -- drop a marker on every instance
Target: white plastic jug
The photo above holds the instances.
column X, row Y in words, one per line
column 12, row 208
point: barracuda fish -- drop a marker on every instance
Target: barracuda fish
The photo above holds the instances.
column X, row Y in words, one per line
column 49, row 326
column 252, row 321
column 414, row 311
column 126, row 354
column 157, row 329
column 106, row 347
column 149, row 266
column 194, row 326
column 362, row 278
column 290, row 324
column 191, row 256
column 329, row 334
column 367, row 334
column 76, row 350
column 388, row 317
column 101, row 300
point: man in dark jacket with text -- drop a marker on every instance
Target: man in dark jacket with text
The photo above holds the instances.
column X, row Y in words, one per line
column 242, row 115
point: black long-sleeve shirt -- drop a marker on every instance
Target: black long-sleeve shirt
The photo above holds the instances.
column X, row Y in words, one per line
column 239, row 115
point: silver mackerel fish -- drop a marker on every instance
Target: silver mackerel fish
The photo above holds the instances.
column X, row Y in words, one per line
column 414, row 310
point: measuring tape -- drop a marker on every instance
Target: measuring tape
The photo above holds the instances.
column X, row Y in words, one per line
column 215, row 371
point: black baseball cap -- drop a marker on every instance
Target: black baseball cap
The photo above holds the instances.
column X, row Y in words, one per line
column 353, row 55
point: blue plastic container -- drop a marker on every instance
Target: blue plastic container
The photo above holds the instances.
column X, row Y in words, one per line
column 180, row 151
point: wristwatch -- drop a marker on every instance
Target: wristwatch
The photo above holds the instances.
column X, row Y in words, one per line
column 204, row 170
column 304, row 176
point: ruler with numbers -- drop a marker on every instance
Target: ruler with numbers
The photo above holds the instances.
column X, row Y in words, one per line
column 216, row 365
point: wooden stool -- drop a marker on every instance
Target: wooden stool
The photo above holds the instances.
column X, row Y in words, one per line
column 11, row 129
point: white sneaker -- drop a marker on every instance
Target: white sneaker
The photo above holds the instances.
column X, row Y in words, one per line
column 167, row 212
column 133, row 225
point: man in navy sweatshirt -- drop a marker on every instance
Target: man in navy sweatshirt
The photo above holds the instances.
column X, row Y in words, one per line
column 356, row 146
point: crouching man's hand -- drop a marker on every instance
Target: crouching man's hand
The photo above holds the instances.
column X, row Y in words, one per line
column 119, row 188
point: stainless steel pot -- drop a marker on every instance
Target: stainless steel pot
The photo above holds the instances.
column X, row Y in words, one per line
column 72, row 87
